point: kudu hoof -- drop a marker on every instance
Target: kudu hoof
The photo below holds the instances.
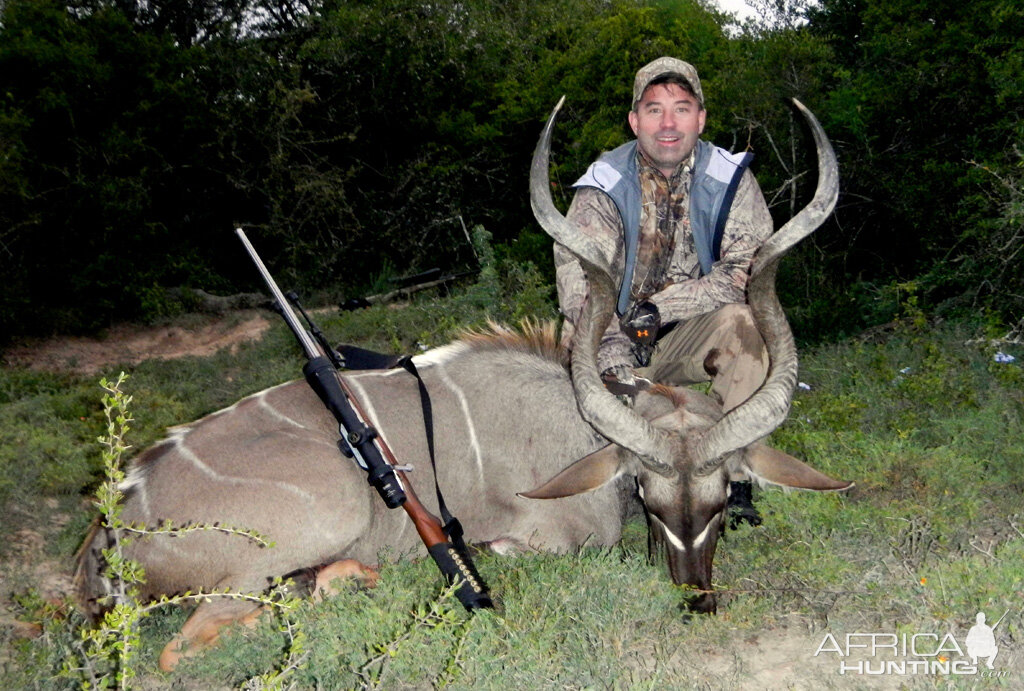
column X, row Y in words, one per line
column 203, row 628
column 700, row 603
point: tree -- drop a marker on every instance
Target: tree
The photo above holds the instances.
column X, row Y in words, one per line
column 113, row 188
column 924, row 88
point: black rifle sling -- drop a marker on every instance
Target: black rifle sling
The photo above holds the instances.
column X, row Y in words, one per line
column 355, row 357
column 360, row 358
column 451, row 525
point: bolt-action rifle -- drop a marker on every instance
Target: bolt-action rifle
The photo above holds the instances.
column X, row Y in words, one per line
column 362, row 443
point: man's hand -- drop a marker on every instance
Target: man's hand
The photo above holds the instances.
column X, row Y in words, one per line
column 641, row 324
column 623, row 382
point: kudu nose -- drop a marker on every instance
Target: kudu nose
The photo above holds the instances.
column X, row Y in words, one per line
column 701, row 603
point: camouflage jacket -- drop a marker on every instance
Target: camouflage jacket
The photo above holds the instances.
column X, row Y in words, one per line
column 668, row 271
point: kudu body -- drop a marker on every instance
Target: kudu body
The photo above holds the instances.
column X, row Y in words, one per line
column 508, row 418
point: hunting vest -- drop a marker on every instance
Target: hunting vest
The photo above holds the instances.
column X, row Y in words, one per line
column 716, row 175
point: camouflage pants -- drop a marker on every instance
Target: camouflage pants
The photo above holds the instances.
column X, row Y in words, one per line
column 723, row 347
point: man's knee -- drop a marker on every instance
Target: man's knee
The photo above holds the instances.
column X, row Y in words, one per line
column 735, row 310
column 738, row 321
column 702, row 348
column 739, row 363
column 735, row 317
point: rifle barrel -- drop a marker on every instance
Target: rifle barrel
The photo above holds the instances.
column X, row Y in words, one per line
column 286, row 310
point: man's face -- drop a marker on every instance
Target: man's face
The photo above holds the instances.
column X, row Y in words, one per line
column 667, row 122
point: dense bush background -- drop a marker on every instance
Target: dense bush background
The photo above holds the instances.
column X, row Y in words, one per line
column 359, row 140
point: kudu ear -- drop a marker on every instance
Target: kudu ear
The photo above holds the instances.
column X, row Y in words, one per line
column 585, row 475
column 771, row 465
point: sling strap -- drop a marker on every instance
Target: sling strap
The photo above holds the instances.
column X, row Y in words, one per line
column 360, row 358
column 363, row 359
column 450, row 524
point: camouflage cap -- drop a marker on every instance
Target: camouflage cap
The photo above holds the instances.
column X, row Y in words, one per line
column 661, row 67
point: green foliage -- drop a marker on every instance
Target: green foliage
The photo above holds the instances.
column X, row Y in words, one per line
column 45, row 427
column 112, row 194
column 504, row 291
column 916, row 94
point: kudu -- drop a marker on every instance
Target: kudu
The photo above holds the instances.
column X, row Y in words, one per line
column 508, row 417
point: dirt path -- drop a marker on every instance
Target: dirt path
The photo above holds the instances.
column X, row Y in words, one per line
column 131, row 344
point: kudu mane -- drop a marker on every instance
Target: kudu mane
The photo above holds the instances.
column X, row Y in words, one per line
column 676, row 396
column 533, row 337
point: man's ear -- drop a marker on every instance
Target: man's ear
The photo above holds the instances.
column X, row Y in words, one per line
column 634, row 121
column 702, row 117
column 585, row 475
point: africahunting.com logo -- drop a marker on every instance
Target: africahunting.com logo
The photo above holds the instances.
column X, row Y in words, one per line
column 916, row 653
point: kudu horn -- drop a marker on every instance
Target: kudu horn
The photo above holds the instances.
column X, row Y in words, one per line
column 599, row 407
column 768, row 407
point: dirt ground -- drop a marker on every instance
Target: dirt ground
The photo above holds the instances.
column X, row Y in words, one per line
column 131, row 344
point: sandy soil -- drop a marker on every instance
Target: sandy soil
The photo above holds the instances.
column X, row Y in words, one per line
column 131, row 344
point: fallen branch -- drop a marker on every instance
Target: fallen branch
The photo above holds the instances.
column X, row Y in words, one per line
column 201, row 301
column 403, row 292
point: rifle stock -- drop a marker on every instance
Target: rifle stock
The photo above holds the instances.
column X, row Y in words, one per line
column 375, row 457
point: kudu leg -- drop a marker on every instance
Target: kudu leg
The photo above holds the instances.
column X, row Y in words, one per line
column 342, row 570
column 203, row 628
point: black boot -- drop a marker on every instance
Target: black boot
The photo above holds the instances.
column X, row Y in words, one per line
column 741, row 505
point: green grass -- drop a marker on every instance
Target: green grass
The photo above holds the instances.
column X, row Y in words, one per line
column 931, row 534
